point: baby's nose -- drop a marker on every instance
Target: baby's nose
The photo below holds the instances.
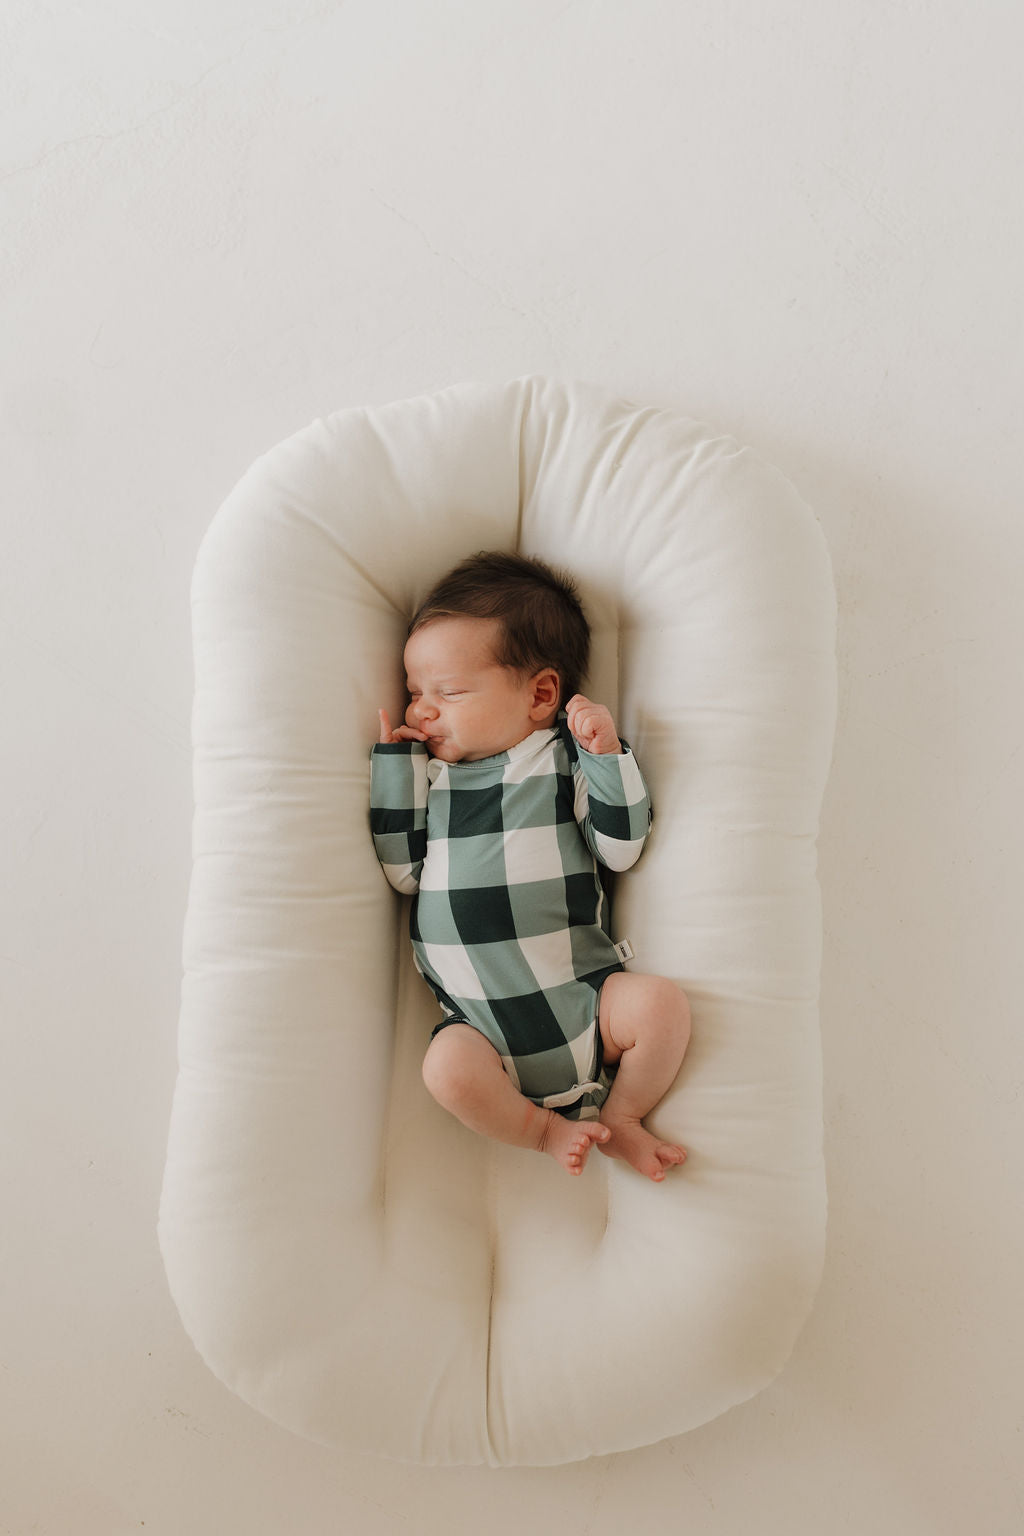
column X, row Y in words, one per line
column 420, row 709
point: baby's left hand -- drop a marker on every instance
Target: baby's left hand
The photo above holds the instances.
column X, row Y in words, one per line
column 592, row 725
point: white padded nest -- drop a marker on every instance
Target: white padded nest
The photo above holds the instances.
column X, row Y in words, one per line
column 346, row 1257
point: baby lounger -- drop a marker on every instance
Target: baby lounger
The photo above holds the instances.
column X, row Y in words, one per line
column 347, row 1257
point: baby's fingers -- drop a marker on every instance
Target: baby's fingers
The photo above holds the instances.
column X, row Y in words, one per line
column 574, row 712
column 388, row 737
column 583, row 717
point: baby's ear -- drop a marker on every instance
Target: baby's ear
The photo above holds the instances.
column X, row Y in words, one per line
column 546, row 689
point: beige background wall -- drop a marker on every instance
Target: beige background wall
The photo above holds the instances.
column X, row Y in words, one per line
column 800, row 221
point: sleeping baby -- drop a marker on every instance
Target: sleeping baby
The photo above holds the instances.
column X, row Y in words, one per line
column 492, row 805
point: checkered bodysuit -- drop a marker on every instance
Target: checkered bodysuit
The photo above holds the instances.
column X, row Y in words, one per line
column 509, row 922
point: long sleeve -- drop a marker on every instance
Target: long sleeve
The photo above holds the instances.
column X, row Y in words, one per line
column 398, row 811
column 613, row 807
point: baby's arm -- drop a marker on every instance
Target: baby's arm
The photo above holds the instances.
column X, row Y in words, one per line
column 613, row 807
column 398, row 804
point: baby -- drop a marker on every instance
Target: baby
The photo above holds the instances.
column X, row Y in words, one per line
column 491, row 804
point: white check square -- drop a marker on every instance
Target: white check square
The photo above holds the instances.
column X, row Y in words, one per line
column 549, row 956
column 434, row 876
column 531, row 853
column 452, row 962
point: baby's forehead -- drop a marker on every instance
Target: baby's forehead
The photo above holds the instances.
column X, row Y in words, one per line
column 453, row 643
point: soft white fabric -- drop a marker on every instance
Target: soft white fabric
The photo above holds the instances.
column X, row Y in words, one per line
column 347, row 1257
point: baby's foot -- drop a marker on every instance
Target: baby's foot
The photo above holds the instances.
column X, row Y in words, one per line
column 569, row 1141
column 646, row 1153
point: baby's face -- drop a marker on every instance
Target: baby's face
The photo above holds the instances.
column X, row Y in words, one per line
column 468, row 705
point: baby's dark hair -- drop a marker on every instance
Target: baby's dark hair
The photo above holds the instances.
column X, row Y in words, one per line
column 542, row 618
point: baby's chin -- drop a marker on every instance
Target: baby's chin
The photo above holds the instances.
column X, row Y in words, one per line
column 447, row 752
column 443, row 750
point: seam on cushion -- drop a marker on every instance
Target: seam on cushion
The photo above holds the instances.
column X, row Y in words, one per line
column 384, row 1176
column 492, row 1247
column 519, row 467
column 373, row 585
column 618, row 658
column 333, row 538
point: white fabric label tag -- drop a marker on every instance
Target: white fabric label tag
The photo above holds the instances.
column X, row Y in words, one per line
column 624, row 950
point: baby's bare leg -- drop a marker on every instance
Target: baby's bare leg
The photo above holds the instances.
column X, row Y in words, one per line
column 464, row 1074
column 645, row 1028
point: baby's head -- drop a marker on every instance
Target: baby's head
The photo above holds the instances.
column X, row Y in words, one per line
column 493, row 652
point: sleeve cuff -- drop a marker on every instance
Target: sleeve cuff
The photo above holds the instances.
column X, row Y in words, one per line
column 398, row 748
column 597, row 756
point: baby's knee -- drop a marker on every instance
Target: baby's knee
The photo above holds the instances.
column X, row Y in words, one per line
column 637, row 1007
column 668, row 1007
column 438, row 1064
column 453, row 1063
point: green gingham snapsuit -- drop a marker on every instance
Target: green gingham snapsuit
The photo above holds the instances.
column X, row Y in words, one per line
column 509, row 923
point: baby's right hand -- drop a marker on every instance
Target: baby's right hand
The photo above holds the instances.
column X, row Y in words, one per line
column 400, row 733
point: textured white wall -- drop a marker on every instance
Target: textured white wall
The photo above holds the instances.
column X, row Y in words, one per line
column 800, row 220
